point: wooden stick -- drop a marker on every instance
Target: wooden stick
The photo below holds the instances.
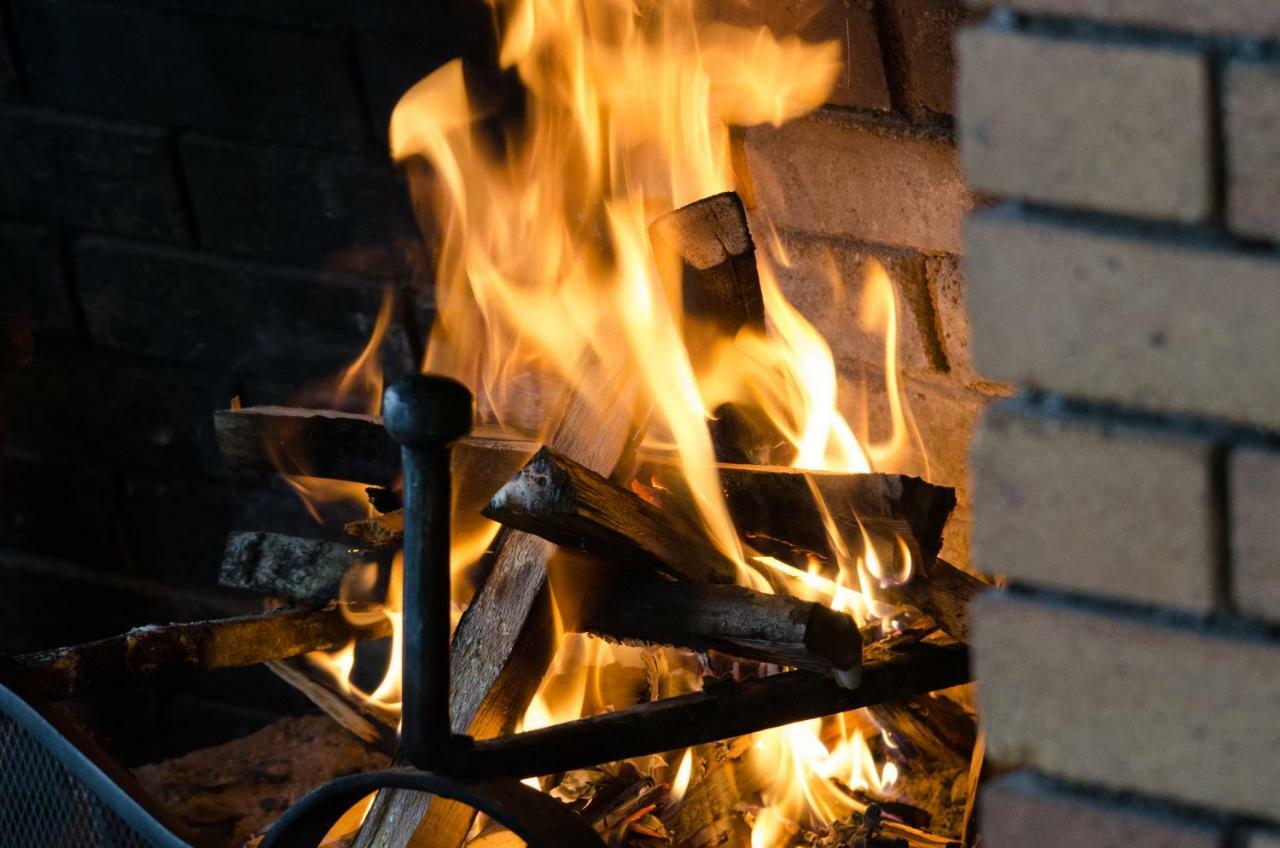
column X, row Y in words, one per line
column 625, row 604
column 561, row 500
column 933, row 727
column 503, row 643
column 370, row 725
column 720, row 712
column 154, row 652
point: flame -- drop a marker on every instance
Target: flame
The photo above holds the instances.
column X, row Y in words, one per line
column 545, row 270
column 680, row 784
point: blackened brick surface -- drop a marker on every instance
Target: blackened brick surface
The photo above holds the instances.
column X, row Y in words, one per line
column 42, row 498
column 102, row 407
column 88, row 173
column 32, row 276
column 191, row 71
column 302, row 207
column 223, row 315
column 390, row 65
column 10, row 84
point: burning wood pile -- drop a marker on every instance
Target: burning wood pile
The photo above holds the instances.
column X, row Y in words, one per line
column 688, row 575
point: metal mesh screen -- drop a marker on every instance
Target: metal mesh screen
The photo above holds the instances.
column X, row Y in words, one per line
column 42, row 805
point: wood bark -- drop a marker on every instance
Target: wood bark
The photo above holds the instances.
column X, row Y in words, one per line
column 292, row 568
column 503, row 643
column 158, row 651
column 566, row 503
column 940, row 591
column 722, row 711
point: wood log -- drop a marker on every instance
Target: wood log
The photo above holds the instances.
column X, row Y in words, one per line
column 229, row 792
column 294, row 569
column 722, row 711
column 940, row 591
column 157, row 651
column 628, row 605
column 780, row 511
column 347, row 446
column 374, row 727
column 931, row 727
column 503, row 643
column 566, row 503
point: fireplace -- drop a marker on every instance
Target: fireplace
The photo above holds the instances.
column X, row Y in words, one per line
column 889, row 273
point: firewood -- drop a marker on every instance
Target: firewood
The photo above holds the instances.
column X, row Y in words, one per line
column 287, row 567
column 374, row 727
column 158, row 651
column 626, row 604
column 566, row 503
column 932, row 727
column 721, row 711
column 942, row 592
column 779, row 511
column 347, row 446
column 229, row 792
column 503, row 643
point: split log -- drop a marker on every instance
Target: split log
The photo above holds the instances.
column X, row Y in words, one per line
column 721, row 711
column 781, row 510
column 287, row 567
column 157, row 651
column 229, row 792
column 372, row 726
column 930, row 727
column 624, row 604
column 503, row 643
column 566, row 503
column 940, row 591
column 346, row 446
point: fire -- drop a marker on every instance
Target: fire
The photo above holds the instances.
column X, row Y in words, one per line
column 545, row 263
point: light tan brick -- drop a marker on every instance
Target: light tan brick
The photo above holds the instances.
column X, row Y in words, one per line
column 1022, row 810
column 1179, row 714
column 1158, row 325
column 1258, row 18
column 825, row 279
column 1255, row 554
column 1115, row 513
column 947, row 284
column 836, row 176
column 1105, row 126
column 1252, row 104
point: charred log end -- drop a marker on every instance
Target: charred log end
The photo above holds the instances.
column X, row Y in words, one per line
column 928, row 508
column 836, row 637
column 542, row 486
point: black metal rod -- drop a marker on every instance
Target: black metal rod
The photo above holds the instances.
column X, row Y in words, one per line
column 721, row 711
column 425, row 414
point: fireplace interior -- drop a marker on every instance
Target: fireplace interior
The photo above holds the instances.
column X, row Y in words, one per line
column 844, row 423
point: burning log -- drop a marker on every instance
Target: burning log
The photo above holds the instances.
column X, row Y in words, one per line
column 371, row 726
column 503, row 643
column 346, row 446
column 940, row 591
column 566, row 503
column 621, row 603
column 932, row 727
column 783, row 511
column 721, row 711
column 151, row 653
column 287, row 567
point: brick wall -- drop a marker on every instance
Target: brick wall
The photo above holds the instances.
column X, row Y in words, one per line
column 1129, row 284
column 195, row 202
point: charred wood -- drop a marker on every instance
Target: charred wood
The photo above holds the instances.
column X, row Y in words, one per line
column 567, row 503
column 942, row 592
column 931, row 727
column 158, row 651
column 628, row 605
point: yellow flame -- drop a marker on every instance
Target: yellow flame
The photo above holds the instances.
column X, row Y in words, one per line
column 544, row 264
column 680, row 784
